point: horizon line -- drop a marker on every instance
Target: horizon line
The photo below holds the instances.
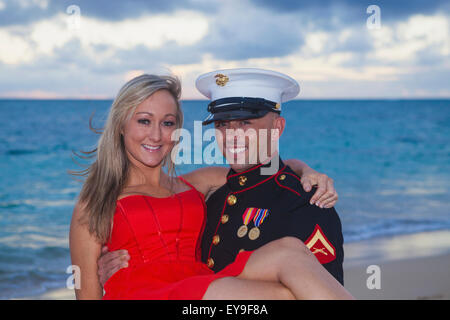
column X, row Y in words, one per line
column 190, row 99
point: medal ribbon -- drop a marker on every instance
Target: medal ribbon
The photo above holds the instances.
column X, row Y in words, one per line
column 260, row 216
column 248, row 215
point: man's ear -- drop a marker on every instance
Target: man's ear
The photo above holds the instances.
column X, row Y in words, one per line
column 279, row 123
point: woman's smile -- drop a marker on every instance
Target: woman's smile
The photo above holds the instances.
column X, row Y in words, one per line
column 151, row 148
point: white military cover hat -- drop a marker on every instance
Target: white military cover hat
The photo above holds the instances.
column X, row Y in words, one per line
column 245, row 93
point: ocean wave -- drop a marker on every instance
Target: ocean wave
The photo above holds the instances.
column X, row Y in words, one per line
column 10, row 204
column 39, row 203
column 44, row 150
column 49, row 203
column 414, row 191
column 28, row 271
column 392, row 227
column 33, row 241
column 20, row 152
column 70, row 190
column 32, row 283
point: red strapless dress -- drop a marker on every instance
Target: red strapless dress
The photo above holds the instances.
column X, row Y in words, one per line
column 163, row 236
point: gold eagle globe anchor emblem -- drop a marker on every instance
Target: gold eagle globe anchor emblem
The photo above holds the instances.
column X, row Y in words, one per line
column 221, row 79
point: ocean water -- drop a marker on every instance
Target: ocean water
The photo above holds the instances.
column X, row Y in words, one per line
column 390, row 160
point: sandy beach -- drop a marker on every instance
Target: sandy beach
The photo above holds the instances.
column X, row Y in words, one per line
column 414, row 266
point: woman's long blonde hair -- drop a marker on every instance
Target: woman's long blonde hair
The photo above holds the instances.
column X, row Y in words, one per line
column 107, row 175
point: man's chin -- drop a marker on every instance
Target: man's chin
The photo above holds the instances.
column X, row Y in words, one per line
column 241, row 167
column 241, row 162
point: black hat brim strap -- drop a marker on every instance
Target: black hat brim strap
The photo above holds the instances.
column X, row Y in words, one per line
column 241, row 103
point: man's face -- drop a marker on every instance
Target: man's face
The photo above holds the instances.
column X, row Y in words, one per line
column 245, row 143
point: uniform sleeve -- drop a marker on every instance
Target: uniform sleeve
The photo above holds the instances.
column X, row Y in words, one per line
column 321, row 230
column 332, row 228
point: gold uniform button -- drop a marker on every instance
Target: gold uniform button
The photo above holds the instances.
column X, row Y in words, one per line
column 242, row 250
column 231, row 199
column 282, row 177
column 216, row 239
column 210, row 263
column 242, row 180
column 224, row 219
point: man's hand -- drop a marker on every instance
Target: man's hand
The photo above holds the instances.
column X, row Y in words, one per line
column 110, row 262
column 325, row 195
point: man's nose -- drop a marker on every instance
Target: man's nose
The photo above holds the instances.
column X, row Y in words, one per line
column 235, row 134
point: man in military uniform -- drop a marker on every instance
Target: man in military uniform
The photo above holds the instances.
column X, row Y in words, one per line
column 253, row 207
column 280, row 207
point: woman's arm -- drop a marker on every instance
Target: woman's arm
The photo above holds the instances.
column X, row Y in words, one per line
column 325, row 195
column 85, row 251
column 207, row 179
column 297, row 166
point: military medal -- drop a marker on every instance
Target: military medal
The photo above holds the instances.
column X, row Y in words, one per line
column 254, row 233
column 246, row 217
column 260, row 216
column 242, row 231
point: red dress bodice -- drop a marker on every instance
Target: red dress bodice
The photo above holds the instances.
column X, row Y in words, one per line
column 162, row 236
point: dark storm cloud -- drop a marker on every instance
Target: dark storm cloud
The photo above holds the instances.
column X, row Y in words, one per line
column 355, row 10
column 118, row 10
column 16, row 13
column 238, row 40
column 324, row 13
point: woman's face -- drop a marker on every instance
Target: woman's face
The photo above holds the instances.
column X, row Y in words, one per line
column 147, row 135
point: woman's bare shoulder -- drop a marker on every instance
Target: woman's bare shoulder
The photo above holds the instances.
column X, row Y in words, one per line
column 79, row 212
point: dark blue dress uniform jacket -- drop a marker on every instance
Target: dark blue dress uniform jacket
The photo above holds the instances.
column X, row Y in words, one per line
column 290, row 214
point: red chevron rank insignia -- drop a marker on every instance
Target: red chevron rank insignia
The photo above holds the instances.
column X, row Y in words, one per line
column 321, row 246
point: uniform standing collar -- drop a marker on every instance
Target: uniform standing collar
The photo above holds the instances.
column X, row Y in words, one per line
column 239, row 181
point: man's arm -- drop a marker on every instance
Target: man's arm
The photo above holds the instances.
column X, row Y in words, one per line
column 325, row 195
column 331, row 227
column 321, row 231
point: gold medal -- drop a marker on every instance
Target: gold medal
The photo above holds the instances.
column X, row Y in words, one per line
column 242, row 231
column 254, row 233
column 259, row 217
column 246, row 217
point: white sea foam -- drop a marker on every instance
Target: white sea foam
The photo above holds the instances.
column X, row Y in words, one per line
column 34, row 241
column 49, row 203
column 69, row 190
column 414, row 191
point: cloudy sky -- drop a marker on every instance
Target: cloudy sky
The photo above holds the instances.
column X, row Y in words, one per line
column 89, row 48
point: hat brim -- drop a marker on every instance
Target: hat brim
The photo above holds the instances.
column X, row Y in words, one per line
column 234, row 115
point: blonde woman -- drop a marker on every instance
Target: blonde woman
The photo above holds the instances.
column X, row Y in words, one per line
column 129, row 202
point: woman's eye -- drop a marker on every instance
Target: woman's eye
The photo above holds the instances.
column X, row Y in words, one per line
column 168, row 123
column 144, row 121
column 244, row 122
column 219, row 124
